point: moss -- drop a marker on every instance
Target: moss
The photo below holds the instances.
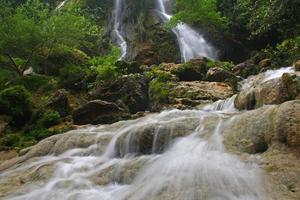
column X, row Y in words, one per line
column 107, row 73
column 17, row 102
column 224, row 65
column 160, row 91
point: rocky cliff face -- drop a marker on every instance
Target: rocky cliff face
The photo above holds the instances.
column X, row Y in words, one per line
column 149, row 41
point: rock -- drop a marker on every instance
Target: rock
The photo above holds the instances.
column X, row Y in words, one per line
column 254, row 131
column 265, row 63
column 245, row 69
column 297, row 65
column 59, row 102
column 4, row 122
column 6, row 155
column 217, row 74
column 287, row 124
column 98, row 112
column 273, row 91
column 141, row 139
column 129, row 67
column 192, row 94
column 191, row 71
column 130, row 89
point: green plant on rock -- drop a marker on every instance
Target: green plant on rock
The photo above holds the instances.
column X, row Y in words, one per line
column 17, row 102
column 224, row 65
column 50, row 118
column 161, row 85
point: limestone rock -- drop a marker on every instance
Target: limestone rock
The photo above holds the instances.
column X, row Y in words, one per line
column 59, row 102
column 130, row 89
column 245, row 69
column 99, row 112
column 217, row 74
column 297, row 65
column 268, row 92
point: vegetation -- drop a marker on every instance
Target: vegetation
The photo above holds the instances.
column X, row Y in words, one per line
column 44, row 50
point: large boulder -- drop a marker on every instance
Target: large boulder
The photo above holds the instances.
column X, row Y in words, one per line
column 297, row 65
column 99, row 112
column 245, row 69
column 274, row 91
column 191, row 71
column 217, row 74
column 59, row 101
column 130, row 89
column 192, row 94
column 254, row 131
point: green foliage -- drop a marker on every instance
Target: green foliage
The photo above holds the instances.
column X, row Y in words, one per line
column 224, row 65
column 283, row 54
column 50, row 118
column 105, row 66
column 199, row 11
column 31, row 32
column 107, row 73
column 161, row 85
column 17, row 102
column 264, row 21
column 72, row 77
column 39, row 134
column 35, row 82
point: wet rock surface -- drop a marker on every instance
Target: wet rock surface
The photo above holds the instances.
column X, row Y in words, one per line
column 99, row 112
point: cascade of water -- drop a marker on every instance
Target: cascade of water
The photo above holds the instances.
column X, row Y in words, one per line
column 116, row 33
column 192, row 44
column 60, row 5
column 175, row 154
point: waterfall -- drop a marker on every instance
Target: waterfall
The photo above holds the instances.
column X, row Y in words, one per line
column 117, row 32
column 60, row 5
column 174, row 154
column 191, row 44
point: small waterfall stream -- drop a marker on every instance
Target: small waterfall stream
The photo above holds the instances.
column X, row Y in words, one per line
column 60, row 5
column 192, row 44
column 117, row 23
column 173, row 155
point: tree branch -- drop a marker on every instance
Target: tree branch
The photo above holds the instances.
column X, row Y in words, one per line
column 14, row 65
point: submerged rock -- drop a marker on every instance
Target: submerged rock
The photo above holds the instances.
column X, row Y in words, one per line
column 99, row 112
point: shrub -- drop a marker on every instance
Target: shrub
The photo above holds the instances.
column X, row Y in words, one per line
column 161, row 85
column 72, row 77
column 36, row 82
column 107, row 73
column 9, row 141
column 50, row 118
column 17, row 102
column 39, row 134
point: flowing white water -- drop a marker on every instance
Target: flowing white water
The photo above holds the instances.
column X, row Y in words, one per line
column 60, row 5
column 117, row 22
column 192, row 44
column 173, row 155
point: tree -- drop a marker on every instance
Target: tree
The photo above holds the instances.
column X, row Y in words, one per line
column 32, row 30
